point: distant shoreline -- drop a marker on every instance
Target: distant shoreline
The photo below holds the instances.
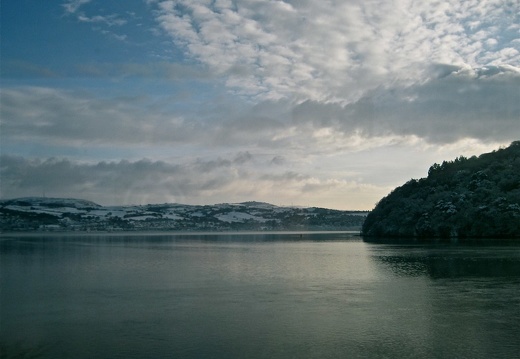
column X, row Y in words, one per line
column 173, row 233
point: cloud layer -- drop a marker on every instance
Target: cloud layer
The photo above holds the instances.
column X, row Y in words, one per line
column 196, row 182
column 455, row 103
column 335, row 50
column 326, row 103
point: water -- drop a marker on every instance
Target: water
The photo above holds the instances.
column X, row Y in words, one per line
column 256, row 296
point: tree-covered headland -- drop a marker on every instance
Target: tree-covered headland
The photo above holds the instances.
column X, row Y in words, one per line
column 477, row 197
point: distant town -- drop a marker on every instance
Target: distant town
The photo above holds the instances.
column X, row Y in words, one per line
column 65, row 214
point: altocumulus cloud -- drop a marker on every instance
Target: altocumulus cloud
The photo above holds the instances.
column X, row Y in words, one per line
column 336, row 50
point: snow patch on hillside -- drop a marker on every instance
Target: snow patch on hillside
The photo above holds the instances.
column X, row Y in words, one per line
column 238, row 217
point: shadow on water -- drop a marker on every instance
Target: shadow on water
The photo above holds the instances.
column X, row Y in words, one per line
column 469, row 258
column 38, row 242
column 21, row 350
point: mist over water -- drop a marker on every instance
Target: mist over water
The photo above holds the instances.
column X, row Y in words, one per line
column 256, row 296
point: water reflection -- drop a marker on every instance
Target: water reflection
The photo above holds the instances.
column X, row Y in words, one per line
column 446, row 265
column 8, row 241
column 460, row 299
column 485, row 260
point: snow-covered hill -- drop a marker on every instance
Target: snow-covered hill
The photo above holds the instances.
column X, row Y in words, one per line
column 66, row 214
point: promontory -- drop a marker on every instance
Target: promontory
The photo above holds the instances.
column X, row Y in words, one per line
column 477, row 197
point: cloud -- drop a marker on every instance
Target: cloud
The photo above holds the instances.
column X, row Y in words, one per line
column 60, row 117
column 336, row 51
column 118, row 37
column 55, row 116
column 146, row 181
column 152, row 70
column 278, row 160
column 72, row 6
column 454, row 103
column 131, row 180
column 465, row 103
column 25, row 69
column 109, row 20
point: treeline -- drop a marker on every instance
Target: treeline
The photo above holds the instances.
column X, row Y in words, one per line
column 467, row 197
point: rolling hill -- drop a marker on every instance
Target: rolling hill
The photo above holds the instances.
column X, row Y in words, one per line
column 65, row 214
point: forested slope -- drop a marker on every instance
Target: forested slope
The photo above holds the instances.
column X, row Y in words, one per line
column 468, row 197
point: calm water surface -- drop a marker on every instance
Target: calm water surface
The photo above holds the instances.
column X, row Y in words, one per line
column 256, row 296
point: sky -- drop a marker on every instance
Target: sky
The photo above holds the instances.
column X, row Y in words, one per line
column 329, row 103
